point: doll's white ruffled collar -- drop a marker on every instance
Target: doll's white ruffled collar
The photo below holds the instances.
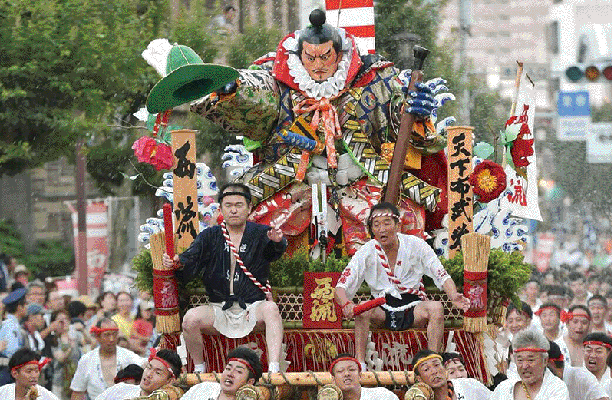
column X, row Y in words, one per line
column 318, row 90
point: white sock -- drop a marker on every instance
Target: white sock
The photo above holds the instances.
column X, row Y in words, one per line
column 273, row 367
column 364, row 367
column 199, row 368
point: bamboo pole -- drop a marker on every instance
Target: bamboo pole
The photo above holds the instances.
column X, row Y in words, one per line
column 369, row 378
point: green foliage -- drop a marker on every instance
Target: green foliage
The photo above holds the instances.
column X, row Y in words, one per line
column 289, row 270
column 142, row 264
column 62, row 80
column 256, row 41
column 507, row 273
column 10, row 239
column 50, row 258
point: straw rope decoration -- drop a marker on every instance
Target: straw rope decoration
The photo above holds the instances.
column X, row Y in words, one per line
column 266, row 289
column 384, row 262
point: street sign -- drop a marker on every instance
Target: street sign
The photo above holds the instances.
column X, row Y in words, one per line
column 599, row 143
column 574, row 111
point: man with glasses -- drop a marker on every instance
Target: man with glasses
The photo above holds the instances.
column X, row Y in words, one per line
column 160, row 372
column 241, row 250
column 393, row 264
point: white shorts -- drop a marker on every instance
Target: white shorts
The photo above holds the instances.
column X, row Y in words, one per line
column 235, row 322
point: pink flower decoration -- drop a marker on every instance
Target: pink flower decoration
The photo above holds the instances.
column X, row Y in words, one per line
column 144, row 148
column 162, row 158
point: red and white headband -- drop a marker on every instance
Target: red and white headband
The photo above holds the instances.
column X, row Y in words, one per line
column 153, row 356
column 337, row 360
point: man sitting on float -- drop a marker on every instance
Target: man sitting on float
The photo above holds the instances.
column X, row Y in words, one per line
column 393, row 264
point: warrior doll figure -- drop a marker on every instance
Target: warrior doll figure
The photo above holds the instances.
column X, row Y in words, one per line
column 319, row 113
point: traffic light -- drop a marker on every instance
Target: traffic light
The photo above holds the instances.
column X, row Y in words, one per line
column 592, row 73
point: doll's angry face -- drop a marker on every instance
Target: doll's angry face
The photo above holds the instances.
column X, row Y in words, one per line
column 320, row 60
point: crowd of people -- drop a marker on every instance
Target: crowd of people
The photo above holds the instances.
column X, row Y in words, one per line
column 556, row 343
column 64, row 331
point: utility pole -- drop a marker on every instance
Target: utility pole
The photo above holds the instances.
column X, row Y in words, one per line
column 465, row 7
column 81, row 256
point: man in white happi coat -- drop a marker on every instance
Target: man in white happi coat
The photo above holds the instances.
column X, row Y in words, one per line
column 346, row 371
column 429, row 369
column 25, row 367
column 243, row 367
column 535, row 381
column 581, row 384
column 393, row 264
column 97, row 369
column 160, row 372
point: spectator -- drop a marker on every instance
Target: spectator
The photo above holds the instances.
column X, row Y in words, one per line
column 581, row 384
column 108, row 304
column 158, row 376
column 144, row 296
column 25, row 369
column 76, row 311
column 90, row 317
column 531, row 294
column 97, row 369
column 578, row 288
column 123, row 318
column 22, row 275
column 594, row 284
column 559, row 295
column 66, row 353
column 455, row 366
column 146, row 312
column 140, row 337
column 36, row 293
column 33, row 324
column 243, row 367
column 55, row 302
column 131, row 375
column 10, row 332
column 518, row 319
column 597, row 348
column 578, row 319
column 598, row 306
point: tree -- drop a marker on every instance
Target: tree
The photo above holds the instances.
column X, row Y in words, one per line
column 63, row 80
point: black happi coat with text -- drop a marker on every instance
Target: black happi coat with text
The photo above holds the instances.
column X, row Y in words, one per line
column 208, row 258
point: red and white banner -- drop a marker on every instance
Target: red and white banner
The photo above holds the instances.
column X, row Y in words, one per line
column 357, row 18
column 97, row 243
column 522, row 181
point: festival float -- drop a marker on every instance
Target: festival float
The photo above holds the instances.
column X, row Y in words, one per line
column 316, row 158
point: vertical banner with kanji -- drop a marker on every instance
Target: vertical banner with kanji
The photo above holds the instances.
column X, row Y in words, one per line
column 97, row 243
column 521, row 171
column 185, row 207
column 460, row 196
column 320, row 309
